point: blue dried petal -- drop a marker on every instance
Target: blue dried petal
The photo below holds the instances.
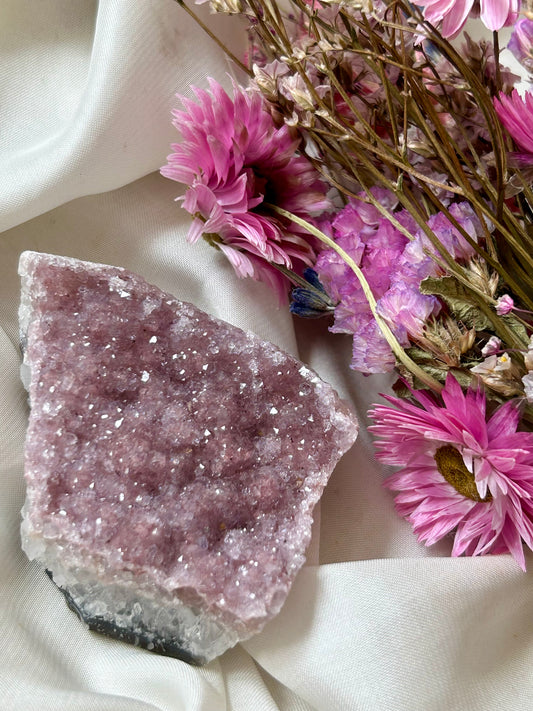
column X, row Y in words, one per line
column 312, row 277
column 312, row 302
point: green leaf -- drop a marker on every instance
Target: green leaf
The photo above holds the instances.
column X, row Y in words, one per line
column 428, row 363
column 517, row 328
column 463, row 304
column 419, row 355
column 437, row 370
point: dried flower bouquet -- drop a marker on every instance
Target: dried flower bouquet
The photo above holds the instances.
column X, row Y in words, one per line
column 375, row 165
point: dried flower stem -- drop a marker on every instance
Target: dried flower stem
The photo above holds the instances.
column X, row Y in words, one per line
column 448, row 152
column 215, row 39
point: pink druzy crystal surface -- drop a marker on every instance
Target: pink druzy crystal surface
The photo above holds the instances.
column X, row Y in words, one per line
column 170, row 457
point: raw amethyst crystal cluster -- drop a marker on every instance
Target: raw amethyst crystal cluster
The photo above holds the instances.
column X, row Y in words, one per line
column 172, row 460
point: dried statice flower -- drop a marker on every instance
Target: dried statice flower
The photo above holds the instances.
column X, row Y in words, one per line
column 233, row 160
column 521, row 42
column 407, row 309
column 417, row 263
column 377, row 247
column 449, row 236
column 393, row 267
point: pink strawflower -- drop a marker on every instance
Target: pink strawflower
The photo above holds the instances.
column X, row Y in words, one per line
column 516, row 114
column 504, row 305
column 494, row 14
column 234, row 159
column 460, row 472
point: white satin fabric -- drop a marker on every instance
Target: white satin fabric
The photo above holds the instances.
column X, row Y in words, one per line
column 375, row 621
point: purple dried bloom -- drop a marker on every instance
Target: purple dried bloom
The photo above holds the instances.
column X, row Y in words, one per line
column 377, row 247
column 374, row 244
column 393, row 267
column 415, row 264
column 369, row 213
column 383, row 250
column 407, row 310
column 450, row 237
column 370, row 352
column 521, row 42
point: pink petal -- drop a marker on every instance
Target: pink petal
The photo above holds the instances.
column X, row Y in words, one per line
column 456, row 17
column 494, row 13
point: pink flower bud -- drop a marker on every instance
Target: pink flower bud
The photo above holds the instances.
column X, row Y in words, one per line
column 492, row 346
column 504, row 305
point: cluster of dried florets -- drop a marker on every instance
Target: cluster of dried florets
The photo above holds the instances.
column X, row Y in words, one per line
column 391, row 182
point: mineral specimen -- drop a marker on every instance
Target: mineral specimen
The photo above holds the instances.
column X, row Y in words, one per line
column 172, row 460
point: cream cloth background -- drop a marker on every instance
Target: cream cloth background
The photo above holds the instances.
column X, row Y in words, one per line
column 375, row 621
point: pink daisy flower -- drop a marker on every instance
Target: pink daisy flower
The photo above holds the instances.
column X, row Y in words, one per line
column 494, row 14
column 516, row 114
column 459, row 470
column 234, row 159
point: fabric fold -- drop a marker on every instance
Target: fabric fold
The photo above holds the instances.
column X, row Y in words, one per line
column 117, row 94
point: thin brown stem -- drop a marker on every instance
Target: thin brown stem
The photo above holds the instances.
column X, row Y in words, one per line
column 215, row 39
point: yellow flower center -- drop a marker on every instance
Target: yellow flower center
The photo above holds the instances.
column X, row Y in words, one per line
column 452, row 467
